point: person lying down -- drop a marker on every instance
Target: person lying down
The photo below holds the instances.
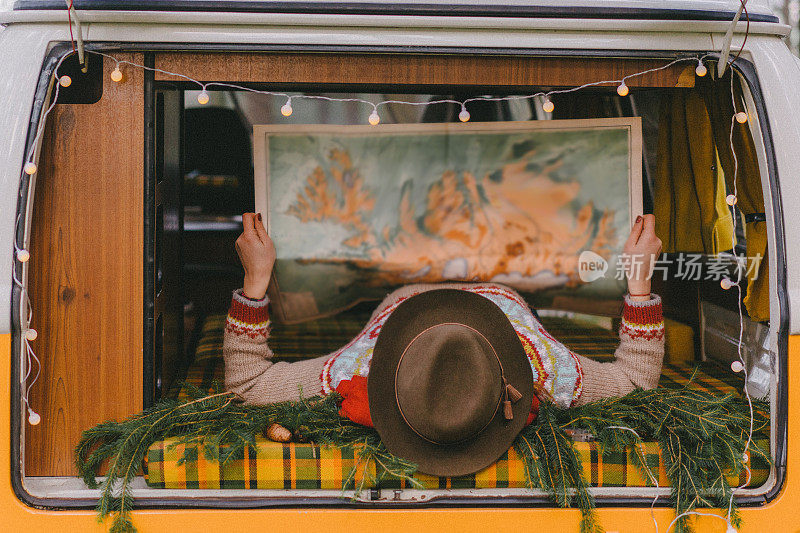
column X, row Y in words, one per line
column 443, row 363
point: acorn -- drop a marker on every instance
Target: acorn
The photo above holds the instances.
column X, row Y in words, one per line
column 278, row 433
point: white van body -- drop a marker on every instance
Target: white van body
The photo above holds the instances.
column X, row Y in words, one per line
column 693, row 26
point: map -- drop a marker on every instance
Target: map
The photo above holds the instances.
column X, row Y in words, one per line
column 357, row 211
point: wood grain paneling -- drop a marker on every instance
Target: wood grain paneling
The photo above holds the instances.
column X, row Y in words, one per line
column 390, row 69
column 86, row 270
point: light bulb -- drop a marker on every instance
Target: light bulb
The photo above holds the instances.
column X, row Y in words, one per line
column 30, row 168
column 737, row 366
column 203, row 98
column 65, row 81
column 701, row 69
column 33, row 418
column 745, row 457
column 622, row 90
column 548, row 106
column 286, row 110
column 464, row 115
column 374, row 119
column 23, row 255
column 116, row 74
column 726, row 283
column 731, row 199
column 741, row 117
column 31, row 334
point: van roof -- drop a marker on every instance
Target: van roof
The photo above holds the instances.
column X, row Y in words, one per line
column 759, row 10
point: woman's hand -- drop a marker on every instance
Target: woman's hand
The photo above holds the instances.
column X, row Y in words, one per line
column 257, row 254
column 641, row 251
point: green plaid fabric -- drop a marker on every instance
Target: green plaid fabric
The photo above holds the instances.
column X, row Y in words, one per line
column 326, row 335
column 291, row 342
column 272, row 465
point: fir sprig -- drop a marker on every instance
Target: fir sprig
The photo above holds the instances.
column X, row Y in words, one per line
column 702, row 436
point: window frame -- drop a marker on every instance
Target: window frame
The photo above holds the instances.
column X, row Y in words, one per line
column 744, row 67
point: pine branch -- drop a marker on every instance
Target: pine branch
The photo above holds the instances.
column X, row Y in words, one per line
column 702, row 437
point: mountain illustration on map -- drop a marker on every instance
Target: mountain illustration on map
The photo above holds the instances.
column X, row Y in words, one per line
column 354, row 216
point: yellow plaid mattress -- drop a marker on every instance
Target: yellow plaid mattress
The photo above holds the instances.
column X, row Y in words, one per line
column 272, row 465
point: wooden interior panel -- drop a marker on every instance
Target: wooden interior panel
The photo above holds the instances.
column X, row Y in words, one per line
column 86, row 270
column 391, row 69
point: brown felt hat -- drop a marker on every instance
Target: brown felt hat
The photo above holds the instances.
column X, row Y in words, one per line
column 450, row 385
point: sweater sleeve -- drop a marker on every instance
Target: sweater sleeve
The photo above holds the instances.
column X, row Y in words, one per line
column 638, row 358
column 249, row 369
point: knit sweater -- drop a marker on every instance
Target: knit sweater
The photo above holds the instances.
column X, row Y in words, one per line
column 250, row 372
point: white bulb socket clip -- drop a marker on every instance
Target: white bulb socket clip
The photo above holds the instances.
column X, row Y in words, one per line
column 731, row 199
column 623, row 90
column 737, row 366
column 203, row 98
column 33, row 417
column 30, row 168
column 548, row 106
column 741, row 117
column 65, row 81
column 286, row 109
column 701, row 69
column 23, row 255
column 116, row 74
column 31, row 334
column 463, row 116
column 374, row 118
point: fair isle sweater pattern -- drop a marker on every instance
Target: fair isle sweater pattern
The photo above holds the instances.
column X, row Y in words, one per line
column 557, row 373
column 643, row 321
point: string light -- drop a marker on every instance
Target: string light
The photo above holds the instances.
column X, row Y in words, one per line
column 116, row 74
column 65, row 81
column 731, row 199
column 548, row 106
column 374, row 118
column 286, row 110
column 701, row 69
column 31, row 334
column 737, row 366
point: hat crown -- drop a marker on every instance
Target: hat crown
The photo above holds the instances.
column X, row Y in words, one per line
column 448, row 383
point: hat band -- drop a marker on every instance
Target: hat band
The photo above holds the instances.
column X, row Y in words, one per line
column 509, row 394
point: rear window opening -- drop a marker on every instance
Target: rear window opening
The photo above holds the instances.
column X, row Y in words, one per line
column 203, row 178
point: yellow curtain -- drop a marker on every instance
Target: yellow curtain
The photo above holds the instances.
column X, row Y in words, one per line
column 695, row 168
column 748, row 181
column 689, row 188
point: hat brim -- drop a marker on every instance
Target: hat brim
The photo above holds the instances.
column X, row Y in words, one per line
column 415, row 315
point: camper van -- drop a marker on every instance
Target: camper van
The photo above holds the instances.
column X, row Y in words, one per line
column 135, row 135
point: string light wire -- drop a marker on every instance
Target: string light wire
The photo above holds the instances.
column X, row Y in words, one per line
column 31, row 356
column 376, row 105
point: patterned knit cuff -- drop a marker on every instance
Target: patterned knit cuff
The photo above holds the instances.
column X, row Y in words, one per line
column 643, row 320
column 246, row 316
